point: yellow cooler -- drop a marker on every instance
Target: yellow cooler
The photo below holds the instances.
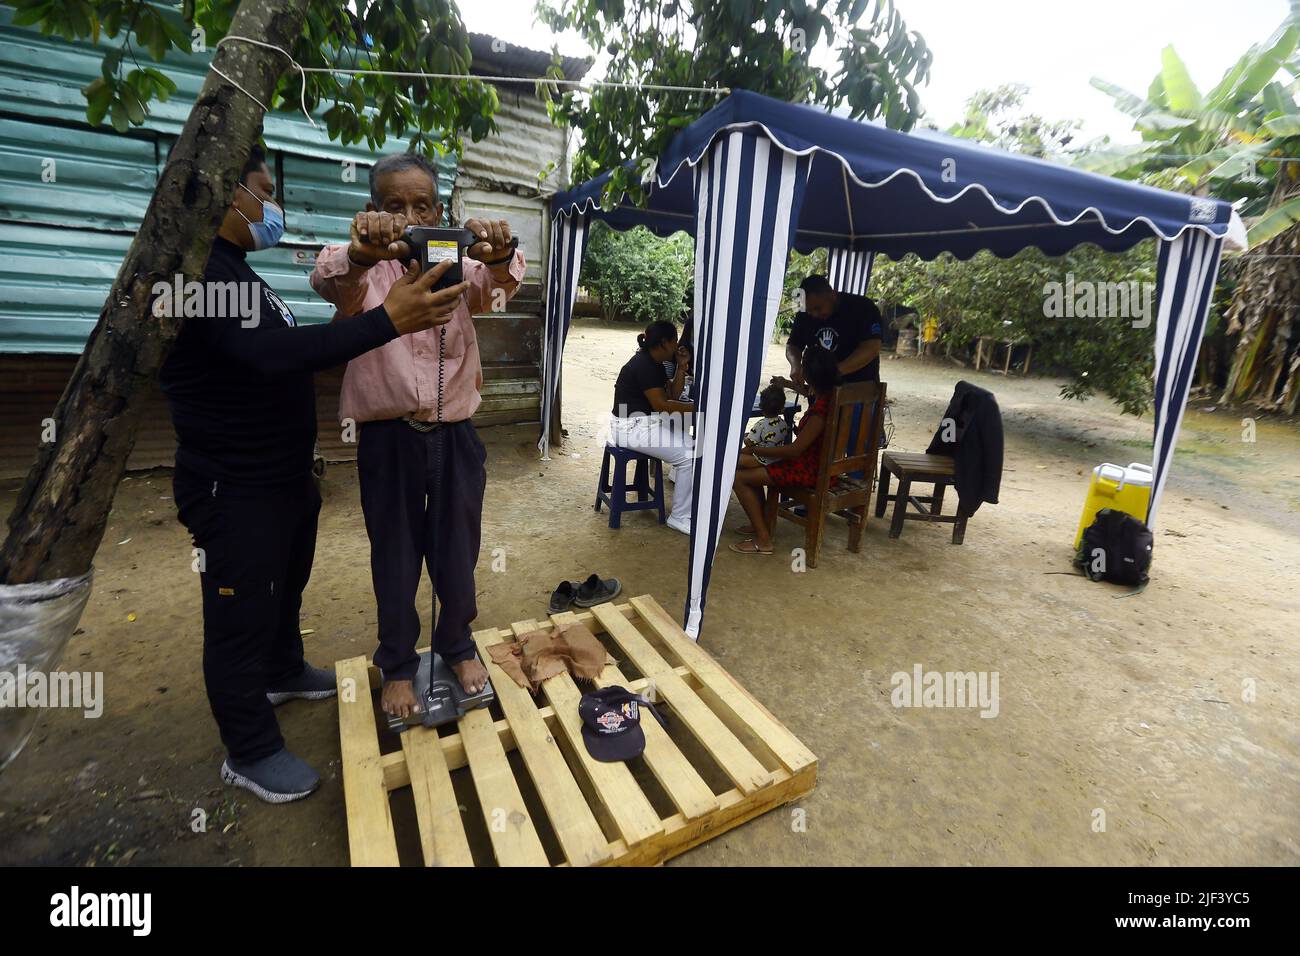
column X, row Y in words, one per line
column 1114, row 486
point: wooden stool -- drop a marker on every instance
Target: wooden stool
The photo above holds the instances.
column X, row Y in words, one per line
column 613, row 488
column 936, row 469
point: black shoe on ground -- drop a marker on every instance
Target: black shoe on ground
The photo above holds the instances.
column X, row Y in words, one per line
column 562, row 597
column 594, row 591
column 279, row 778
column 314, row 683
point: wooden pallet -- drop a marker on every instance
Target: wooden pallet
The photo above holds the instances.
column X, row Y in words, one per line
column 593, row 813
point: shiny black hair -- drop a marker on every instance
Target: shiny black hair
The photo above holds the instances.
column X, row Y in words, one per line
column 656, row 334
column 771, row 400
column 815, row 285
column 819, row 370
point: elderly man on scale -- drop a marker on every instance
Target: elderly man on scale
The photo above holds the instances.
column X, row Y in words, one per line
column 419, row 461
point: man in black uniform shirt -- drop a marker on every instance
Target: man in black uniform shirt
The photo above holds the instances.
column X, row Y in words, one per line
column 846, row 325
column 239, row 383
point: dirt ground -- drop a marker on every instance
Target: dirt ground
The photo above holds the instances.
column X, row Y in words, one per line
column 1173, row 713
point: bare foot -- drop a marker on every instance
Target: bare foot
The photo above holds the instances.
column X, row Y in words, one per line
column 747, row 531
column 473, row 675
column 399, row 698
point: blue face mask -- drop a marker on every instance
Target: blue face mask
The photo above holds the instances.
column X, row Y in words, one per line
column 270, row 230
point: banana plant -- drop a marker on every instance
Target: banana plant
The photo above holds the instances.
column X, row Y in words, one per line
column 1233, row 141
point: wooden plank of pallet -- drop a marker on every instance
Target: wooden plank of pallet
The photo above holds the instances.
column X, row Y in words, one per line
column 579, row 835
column 442, row 834
column 786, row 746
column 735, row 808
column 613, row 784
column 741, row 766
column 684, row 786
column 514, row 838
column 397, row 776
column 371, row 840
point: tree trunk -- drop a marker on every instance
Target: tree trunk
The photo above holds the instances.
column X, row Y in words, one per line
column 1266, row 364
column 62, row 510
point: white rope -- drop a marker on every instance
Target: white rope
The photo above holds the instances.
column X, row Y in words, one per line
column 265, row 108
column 269, row 46
column 414, row 74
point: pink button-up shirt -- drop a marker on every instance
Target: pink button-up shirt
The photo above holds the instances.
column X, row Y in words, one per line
column 401, row 377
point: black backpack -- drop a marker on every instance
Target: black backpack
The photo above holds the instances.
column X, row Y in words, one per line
column 1116, row 547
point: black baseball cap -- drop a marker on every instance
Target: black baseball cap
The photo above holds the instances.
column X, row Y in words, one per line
column 611, row 723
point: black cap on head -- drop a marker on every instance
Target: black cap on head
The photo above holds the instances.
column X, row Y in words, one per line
column 611, row 724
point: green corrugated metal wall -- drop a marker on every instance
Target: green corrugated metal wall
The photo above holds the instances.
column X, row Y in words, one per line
column 61, row 242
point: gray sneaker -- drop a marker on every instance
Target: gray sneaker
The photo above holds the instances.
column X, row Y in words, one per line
column 314, row 683
column 279, row 778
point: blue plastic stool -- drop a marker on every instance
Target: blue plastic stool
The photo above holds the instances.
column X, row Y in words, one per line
column 613, row 489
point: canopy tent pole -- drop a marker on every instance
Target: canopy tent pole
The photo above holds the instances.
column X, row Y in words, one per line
column 568, row 241
column 1187, row 271
column 748, row 195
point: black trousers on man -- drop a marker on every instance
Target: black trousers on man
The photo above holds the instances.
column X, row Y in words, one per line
column 422, row 496
column 256, row 555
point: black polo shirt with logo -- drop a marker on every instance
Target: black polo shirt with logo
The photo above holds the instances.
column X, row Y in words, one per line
column 856, row 319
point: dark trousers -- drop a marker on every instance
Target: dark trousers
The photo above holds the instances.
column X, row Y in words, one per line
column 422, row 496
column 257, row 547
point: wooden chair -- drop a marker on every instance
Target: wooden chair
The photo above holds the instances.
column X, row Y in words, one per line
column 937, row 470
column 850, row 496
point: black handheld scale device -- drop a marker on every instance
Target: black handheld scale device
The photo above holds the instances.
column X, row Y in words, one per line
column 431, row 245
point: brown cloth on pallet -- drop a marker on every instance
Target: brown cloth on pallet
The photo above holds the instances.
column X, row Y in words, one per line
column 549, row 652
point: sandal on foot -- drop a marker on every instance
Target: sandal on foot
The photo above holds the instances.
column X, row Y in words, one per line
column 753, row 548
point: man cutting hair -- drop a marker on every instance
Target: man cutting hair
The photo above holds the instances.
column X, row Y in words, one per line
column 848, row 326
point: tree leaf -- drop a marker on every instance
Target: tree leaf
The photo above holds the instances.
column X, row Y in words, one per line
column 1262, row 65
column 1179, row 88
column 1127, row 102
column 1286, row 125
column 1275, row 221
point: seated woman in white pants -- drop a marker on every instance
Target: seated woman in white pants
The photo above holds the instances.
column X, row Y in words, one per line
column 644, row 418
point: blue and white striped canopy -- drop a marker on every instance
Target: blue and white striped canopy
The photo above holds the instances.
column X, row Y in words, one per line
column 755, row 177
column 880, row 190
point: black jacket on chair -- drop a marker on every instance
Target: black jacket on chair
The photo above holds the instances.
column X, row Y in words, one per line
column 978, row 448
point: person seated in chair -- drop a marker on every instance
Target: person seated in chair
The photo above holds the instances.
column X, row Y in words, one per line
column 638, row 420
column 793, row 465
